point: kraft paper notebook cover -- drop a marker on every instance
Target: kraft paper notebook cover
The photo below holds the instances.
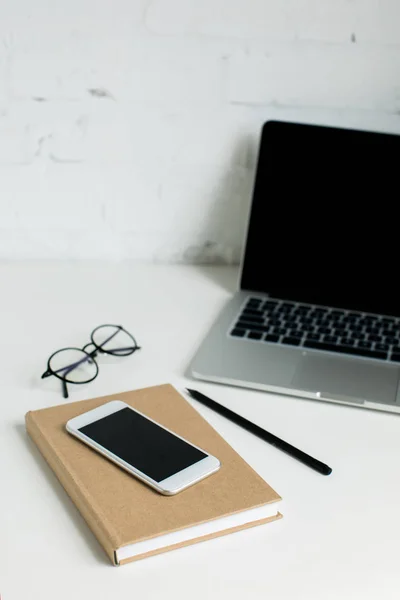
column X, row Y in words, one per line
column 131, row 520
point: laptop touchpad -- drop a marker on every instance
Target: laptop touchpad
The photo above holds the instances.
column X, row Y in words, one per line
column 345, row 377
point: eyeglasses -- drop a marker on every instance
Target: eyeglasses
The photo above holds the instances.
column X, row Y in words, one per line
column 78, row 365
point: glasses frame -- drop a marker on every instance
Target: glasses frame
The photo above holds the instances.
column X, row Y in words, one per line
column 90, row 356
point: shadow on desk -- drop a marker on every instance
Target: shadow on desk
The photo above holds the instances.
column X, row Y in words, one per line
column 226, row 277
column 74, row 515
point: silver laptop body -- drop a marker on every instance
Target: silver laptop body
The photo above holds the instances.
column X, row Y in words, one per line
column 317, row 314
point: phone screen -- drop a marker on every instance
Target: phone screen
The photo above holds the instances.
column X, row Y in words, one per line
column 143, row 444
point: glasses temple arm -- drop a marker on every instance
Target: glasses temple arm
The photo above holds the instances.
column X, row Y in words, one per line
column 125, row 348
column 64, row 388
column 109, row 338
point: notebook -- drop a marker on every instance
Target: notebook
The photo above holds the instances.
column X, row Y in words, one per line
column 129, row 519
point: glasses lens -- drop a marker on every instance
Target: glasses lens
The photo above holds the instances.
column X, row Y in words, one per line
column 73, row 365
column 114, row 340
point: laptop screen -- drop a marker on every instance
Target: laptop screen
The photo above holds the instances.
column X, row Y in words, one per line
column 323, row 227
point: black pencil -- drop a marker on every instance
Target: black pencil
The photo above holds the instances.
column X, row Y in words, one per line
column 306, row 459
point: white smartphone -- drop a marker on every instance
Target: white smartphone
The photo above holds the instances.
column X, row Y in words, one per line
column 147, row 450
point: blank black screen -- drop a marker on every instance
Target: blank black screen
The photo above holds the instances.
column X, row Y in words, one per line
column 323, row 226
column 143, row 444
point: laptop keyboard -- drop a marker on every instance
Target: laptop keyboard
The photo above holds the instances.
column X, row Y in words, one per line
column 319, row 328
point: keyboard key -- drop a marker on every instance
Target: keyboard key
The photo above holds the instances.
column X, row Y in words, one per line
column 374, row 338
column 391, row 340
column 271, row 338
column 252, row 318
column 384, row 347
column 352, row 318
column 325, row 330
column 395, row 357
column 341, row 333
column 286, row 306
column 373, row 330
column 396, row 349
column 306, row 328
column 253, row 312
column 363, row 344
column 337, row 313
column 274, row 321
column 291, row 319
column 345, row 349
column 296, row 333
column 357, row 335
column 252, row 326
column 279, row 330
column 305, row 320
column 255, row 335
column 270, row 303
column 253, row 302
column 333, row 318
column 313, row 315
column 387, row 320
column 292, row 341
column 285, row 318
column 347, row 342
column 349, row 319
column 238, row 332
column 317, row 313
column 370, row 318
column 299, row 312
column 354, row 327
column 325, row 323
column 303, row 309
column 331, row 339
column 364, row 322
column 269, row 310
column 313, row 336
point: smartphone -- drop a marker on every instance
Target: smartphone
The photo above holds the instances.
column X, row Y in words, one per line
column 155, row 455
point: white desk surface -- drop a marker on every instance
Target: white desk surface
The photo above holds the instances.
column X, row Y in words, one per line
column 340, row 535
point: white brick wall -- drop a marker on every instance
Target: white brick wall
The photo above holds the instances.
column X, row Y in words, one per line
column 128, row 128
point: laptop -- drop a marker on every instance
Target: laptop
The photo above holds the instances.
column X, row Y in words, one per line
column 317, row 313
